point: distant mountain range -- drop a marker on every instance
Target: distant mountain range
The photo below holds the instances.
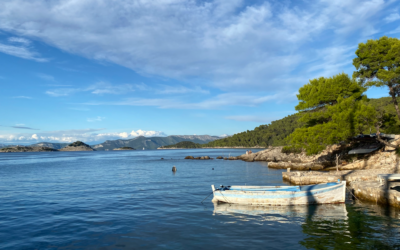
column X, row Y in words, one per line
column 153, row 142
column 137, row 143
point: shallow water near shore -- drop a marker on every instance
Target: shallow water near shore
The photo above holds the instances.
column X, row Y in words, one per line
column 132, row 200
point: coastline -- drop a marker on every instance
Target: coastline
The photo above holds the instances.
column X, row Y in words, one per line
column 213, row 147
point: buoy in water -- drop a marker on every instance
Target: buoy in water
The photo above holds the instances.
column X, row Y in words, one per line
column 173, row 169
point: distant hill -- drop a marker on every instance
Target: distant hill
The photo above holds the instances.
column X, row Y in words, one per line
column 50, row 145
column 153, row 142
column 7, row 146
column 183, row 144
column 77, row 146
column 265, row 135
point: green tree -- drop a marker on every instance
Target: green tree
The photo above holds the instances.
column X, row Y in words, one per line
column 377, row 64
column 332, row 110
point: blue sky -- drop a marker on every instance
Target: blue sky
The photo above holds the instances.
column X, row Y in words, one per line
column 94, row 70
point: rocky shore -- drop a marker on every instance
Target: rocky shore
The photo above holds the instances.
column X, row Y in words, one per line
column 359, row 171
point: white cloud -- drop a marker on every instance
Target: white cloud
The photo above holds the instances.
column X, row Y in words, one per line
column 165, row 89
column 217, row 102
column 96, row 119
column 61, row 92
column 396, row 31
column 22, row 97
column 19, row 40
column 250, row 118
column 68, row 136
column 46, row 77
column 101, row 88
column 146, row 133
column 98, row 88
column 228, row 44
column 22, row 52
column 392, row 17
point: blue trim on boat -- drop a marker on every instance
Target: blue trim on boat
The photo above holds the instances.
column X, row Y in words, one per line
column 267, row 194
column 288, row 188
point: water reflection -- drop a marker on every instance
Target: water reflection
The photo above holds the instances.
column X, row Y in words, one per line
column 329, row 226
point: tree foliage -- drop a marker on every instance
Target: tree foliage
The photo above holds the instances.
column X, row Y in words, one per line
column 332, row 110
column 377, row 64
column 273, row 134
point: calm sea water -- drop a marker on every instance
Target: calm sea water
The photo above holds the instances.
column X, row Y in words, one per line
column 132, row 200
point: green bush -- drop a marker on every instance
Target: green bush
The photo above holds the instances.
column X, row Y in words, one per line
column 289, row 150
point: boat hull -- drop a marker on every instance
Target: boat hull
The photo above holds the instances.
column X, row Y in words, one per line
column 302, row 196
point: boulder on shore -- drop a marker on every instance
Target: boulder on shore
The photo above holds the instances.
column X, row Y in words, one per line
column 189, row 157
column 206, row 157
column 220, row 157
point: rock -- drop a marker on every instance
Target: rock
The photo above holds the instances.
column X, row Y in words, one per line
column 162, row 158
column 206, row 157
column 173, row 169
column 232, row 158
column 197, row 158
column 202, row 158
column 226, row 158
column 220, row 157
column 189, row 157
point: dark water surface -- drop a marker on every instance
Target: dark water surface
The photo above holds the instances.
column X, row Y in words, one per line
column 132, row 200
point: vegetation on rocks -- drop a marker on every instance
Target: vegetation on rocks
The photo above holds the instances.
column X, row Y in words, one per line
column 77, row 144
column 183, row 144
column 273, row 134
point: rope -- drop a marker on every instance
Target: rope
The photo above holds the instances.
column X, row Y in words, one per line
column 353, row 194
column 224, row 197
column 207, row 196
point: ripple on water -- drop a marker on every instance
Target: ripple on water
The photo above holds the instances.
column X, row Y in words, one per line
column 131, row 199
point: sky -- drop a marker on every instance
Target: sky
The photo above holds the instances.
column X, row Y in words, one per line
column 96, row 70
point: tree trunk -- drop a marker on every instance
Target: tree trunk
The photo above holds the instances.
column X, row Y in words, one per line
column 396, row 105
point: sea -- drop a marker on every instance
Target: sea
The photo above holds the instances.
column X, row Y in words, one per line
column 133, row 200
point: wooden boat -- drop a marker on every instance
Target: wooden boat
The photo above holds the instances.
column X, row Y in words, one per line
column 333, row 192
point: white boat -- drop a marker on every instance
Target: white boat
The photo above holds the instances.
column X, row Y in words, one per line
column 333, row 192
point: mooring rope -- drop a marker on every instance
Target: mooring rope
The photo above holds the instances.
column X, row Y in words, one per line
column 208, row 196
column 353, row 194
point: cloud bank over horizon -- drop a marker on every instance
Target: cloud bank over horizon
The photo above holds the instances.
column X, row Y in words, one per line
column 69, row 136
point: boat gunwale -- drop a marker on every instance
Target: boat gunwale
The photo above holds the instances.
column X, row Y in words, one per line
column 286, row 192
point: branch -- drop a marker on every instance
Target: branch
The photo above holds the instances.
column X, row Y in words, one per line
column 386, row 143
